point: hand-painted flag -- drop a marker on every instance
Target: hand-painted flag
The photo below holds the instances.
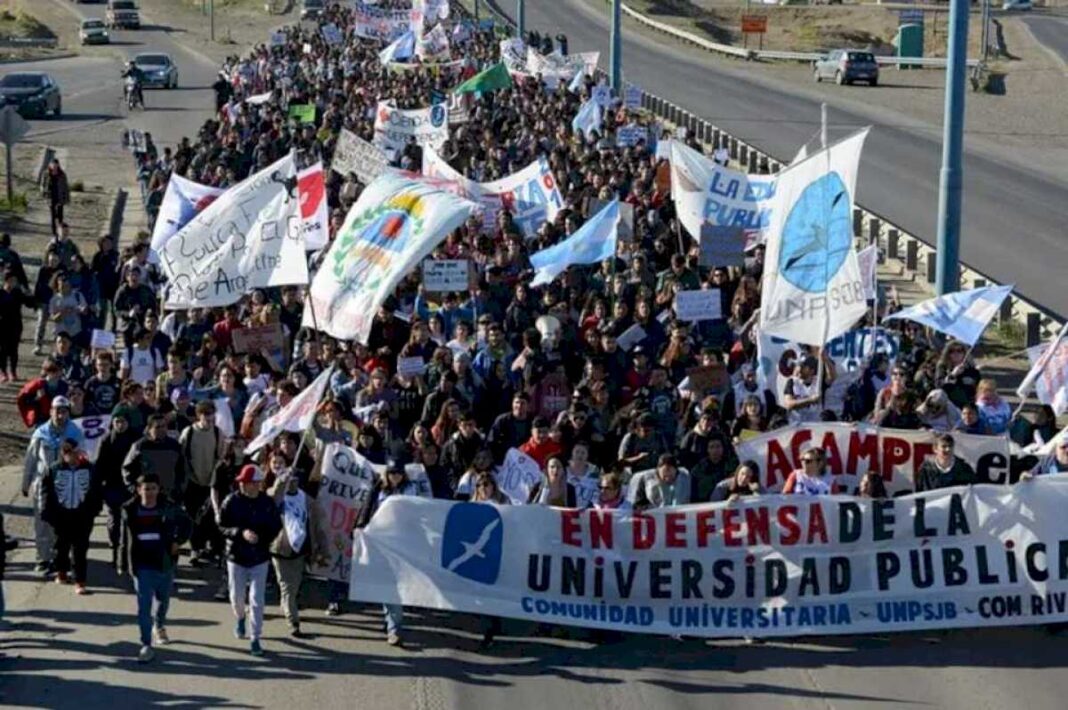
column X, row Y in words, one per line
column 183, row 200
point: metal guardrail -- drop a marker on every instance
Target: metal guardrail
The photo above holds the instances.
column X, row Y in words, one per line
column 917, row 255
column 31, row 42
column 758, row 54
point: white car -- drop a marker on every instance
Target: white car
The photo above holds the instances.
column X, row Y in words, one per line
column 94, row 31
column 1010, row 5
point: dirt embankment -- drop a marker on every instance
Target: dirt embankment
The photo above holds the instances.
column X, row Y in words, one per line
column 803, row 28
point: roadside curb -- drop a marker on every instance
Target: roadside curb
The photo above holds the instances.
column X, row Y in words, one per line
column 65, row 55
column 115, row 215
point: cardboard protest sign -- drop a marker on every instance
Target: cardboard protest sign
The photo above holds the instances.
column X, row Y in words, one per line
column 703, row 304
column 269, row 337
column 517, row 476
column 722, row 246
column 446, row 275
column 346, row 483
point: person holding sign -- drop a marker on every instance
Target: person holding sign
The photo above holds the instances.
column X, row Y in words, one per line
column 297, row 541
column 803, row 397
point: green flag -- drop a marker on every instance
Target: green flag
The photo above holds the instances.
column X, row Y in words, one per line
column 496, row 77
column 305, row 113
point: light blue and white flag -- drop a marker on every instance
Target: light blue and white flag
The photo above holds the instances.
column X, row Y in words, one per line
column 963, row 315
column 577, row 82
column 588, row 119
column 183, row 200
column 594, row 241
column 402, row 48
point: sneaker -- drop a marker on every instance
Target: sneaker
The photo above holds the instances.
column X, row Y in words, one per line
column 239, row 629
column 223, row 592
column 295, row 632
column 393, row 639
column 38, row 351
column 160, row 637
column 333, row 609
column 42, row 567
column 256, row 648
column 62, row 578
column 80, row 588
column 146, row 654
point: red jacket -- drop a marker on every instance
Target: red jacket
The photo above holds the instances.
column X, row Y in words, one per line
column 34, row 401
column 541, row 452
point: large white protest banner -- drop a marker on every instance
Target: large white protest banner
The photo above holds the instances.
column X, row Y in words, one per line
column 706, row 192
column 531, row 195
column 298, row 415
column 812, row 288
column 895, row 454
column 371, row 22
column 850, row 352
column 347, row 480
column 93, row 430
column 514, row 54
column 394, row 225
column 252, row 236
column 763, row 566
column 517, row 476
column 353, row 154
column 394, row 126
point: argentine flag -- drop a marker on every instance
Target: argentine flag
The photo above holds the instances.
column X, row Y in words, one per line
column 183, row 200
column 594, row 241
column 402, row 48
column 963, row 315
column 588, row 119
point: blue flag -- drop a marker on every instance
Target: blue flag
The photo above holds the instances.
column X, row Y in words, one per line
column 588, row 119
column 963, row 315
column 594, row 241
column 402, row 48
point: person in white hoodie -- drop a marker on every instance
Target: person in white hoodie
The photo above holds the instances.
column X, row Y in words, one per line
column 42, row 452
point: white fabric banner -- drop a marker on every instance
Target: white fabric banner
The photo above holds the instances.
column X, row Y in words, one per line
column 517, row 476
column 851, row 352
column 314, row 213
column 812, row 289
column 1049, row 373
column 706, row 192
column 530, row 195
column 434, row 45
column 183, row 200
column 347, row 480
column 868, row 263
column 896, row 454
column 93, row 431
column 394, row 126
column 249, row 237
column 298, row 415
column 764, row 566
column 396, row 222
column 353, row 154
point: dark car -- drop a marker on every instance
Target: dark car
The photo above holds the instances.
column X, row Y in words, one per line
column 846, row 66
column 31, row 93
column 159, row 70
column 312, row 9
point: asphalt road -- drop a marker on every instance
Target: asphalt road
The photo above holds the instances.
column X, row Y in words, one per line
column 1014, row 218
column 1051, row 31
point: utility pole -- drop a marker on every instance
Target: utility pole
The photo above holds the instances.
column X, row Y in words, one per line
column 520, row 19
column 212, row 13
column 477, row 3
column 616, row 57
column 951, row 178
column 823, row 125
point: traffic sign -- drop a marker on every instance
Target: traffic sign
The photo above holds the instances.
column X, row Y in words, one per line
column 754, row 24
column 12, row 126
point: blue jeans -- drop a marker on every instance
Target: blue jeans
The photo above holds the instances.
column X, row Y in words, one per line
column 151, row 583
column 394, row 618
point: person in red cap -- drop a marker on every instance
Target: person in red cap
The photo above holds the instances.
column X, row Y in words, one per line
column 249, row 521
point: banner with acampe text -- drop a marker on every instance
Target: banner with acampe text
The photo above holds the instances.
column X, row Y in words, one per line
column 896, row 454
column 764, row 566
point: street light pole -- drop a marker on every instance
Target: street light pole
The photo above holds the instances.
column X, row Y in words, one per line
column 616, row 57
column 212, row 11
column 520, row 19
column 949, row 195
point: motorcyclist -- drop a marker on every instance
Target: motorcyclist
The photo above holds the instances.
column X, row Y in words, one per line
column 136, row 78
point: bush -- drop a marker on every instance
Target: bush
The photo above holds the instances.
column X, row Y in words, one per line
column 77, row 186
column 17, row 205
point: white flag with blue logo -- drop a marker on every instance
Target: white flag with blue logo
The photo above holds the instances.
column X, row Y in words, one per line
column 594, row 242
column 588, row 119
column 1049, row 373
column 964, row 314
column 183, row 200
column 813, row 290
column 402, row 48
column 396, row 222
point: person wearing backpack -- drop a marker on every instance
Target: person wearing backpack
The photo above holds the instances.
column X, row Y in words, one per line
column 202, row 445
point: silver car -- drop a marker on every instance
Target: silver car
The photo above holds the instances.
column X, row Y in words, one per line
column 94, row 31
column 159, row 70
column 846, row 66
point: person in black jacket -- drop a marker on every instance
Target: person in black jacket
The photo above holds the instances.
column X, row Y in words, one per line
column 113, row 449
column 153, row 528
column 944, row 469
column 71, row 497
column 249, row 521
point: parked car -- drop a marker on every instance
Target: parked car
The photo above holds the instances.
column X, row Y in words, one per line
column 31, row 93
column 159, row 69
column 94, row 31
column 1021, row 5
column 846, row 66
column 122, row 14
column 312, row 9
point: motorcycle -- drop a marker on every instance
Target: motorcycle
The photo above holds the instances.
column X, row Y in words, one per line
column 133, row 93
